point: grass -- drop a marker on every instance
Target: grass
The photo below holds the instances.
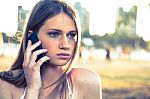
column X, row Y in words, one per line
column 120, row 73
column 121, row 79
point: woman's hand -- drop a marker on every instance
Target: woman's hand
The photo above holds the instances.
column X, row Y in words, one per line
column 31, row 67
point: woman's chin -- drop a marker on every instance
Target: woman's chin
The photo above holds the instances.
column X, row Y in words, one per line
column 57, row 63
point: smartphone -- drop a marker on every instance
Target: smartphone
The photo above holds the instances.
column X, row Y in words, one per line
column 34, row 38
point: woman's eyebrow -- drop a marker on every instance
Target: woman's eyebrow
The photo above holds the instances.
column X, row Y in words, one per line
column 55, row 30
column 75, row 31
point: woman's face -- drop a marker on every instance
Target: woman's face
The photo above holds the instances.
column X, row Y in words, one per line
column 59, row 36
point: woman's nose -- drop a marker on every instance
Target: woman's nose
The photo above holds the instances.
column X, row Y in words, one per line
column 64, row 43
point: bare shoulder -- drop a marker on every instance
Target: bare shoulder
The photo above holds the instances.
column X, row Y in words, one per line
column 5, row 90
column 84, row 74
column 89, row 81
column 8, row 90
column 4, row 84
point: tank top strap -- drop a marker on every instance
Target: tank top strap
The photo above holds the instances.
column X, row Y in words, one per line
column 22, row 97
column 68, row 79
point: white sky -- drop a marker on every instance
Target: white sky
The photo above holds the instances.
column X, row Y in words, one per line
column 8, row 16
column 102, row 14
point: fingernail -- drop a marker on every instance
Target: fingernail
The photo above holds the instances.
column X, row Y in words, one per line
column 29, row 42
column 46, row 49
column 30, row 31
column 47, row 58
column 39, row 42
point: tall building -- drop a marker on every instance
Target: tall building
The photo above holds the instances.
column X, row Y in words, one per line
column 84, row 17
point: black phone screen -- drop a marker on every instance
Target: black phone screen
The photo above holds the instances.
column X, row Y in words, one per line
column 34, row 38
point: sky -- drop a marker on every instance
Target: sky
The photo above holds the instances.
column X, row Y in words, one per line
column 8, row 24
column 102, row 14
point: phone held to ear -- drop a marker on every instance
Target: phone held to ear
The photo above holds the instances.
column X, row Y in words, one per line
column 34, row 38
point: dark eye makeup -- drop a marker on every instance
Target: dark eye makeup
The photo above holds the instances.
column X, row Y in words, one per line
column 71, row 35
column 57, row 34
column 54, row 34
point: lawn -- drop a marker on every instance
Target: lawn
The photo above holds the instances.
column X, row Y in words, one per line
column 121, row 79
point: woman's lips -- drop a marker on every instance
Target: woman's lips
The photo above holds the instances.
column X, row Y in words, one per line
column 64, row 56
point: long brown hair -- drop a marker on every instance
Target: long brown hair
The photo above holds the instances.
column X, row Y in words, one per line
column 43, row 10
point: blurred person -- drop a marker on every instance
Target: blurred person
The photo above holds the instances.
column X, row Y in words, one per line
column 42, row 69
column 108, row 53
column 81, row 48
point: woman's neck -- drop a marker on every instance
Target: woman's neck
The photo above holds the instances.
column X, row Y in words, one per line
column 51, row 74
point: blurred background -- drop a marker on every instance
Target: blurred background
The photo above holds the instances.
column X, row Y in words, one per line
column 115, row 42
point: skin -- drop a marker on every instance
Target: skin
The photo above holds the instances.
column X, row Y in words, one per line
column 86, row 83
column 64, row 42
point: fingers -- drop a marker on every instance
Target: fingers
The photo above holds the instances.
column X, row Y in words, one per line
column 35, row 54
column 38, row 64
column 29, row 57
column 41, row 61
column 31, row 47
column 27, row 54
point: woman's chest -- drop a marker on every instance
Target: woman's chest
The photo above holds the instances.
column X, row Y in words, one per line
column 18, row 93
column 76, row 94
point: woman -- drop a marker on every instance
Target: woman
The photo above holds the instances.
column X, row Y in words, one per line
column 50, row 76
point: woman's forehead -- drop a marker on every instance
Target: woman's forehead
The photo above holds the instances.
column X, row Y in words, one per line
column 60, row 20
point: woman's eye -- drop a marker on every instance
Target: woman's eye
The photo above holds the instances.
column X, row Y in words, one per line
column 54, row 34
column 71, row 35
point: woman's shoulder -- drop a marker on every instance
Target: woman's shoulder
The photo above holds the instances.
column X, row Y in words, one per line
column 4, row 84
column 88, row 81
column 5, row 89
column 8, row 90
column 85, row 73
column 85, row 76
